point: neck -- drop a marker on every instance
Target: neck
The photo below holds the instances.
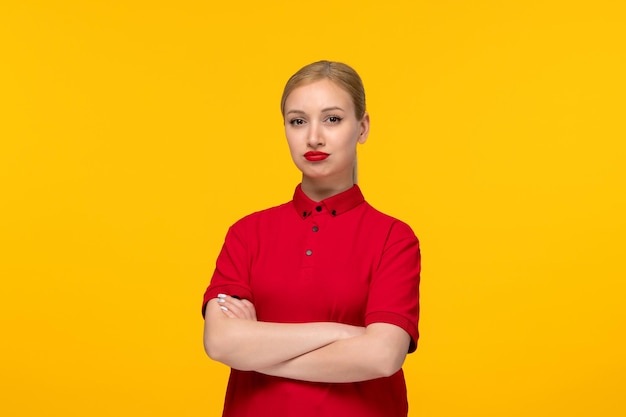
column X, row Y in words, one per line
column 318, row 190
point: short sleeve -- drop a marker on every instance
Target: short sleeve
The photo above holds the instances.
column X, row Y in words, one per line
column 394, row 287
column 231, row 275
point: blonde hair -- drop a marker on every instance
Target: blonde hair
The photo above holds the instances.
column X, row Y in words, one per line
column 340, row 73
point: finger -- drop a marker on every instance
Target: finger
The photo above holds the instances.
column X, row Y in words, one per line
column 250, row 309
column 222, row 303
column 232, row 305
column 244, row 306
column 227, row 312
column 238, row 308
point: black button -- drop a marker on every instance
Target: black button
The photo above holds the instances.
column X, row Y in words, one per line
column 315, row 228
column 334, row 212
column 318, row 208
column 309, row 252
column 304, row 214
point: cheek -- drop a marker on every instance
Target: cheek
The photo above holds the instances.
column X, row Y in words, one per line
column 350, row 140
column 294, row 149
column 292, row 144
column 289, row 137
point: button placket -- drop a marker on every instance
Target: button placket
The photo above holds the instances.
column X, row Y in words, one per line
column 309, row 242
column 314, row 219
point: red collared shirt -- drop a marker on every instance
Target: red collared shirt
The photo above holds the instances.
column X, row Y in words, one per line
column 337, row 260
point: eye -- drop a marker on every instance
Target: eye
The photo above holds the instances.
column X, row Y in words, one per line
column 333, row 119
column 296, row 122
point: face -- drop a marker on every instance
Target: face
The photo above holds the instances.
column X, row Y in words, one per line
column 322, row 132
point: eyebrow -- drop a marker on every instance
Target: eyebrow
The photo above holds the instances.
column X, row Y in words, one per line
column 323, row 110
column 332, row 108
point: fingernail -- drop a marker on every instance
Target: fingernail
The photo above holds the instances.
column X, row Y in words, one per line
column 221, row 295
column 221, row 300
column 223, row 308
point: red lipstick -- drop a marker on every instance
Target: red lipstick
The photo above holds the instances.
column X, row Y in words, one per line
column 315, row 156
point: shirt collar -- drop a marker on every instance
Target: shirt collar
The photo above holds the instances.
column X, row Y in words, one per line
column 335, row 205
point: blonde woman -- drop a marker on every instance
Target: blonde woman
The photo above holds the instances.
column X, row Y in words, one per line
column 314, row 303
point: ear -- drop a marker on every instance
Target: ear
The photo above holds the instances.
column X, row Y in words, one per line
column 365, row 128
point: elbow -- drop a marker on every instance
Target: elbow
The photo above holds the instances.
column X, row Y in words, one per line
column 216, row 334
column 388, row 363
column 388, row 347
column 388, row 368
column 220, row 353
column 212, row 349
column 225, row 354
column 215, row 344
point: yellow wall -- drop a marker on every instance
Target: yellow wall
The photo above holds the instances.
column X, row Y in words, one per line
column 133, row 133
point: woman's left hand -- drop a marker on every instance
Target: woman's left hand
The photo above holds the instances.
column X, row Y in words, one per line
column 236, row 308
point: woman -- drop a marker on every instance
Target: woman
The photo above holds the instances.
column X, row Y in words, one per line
column 314, row 303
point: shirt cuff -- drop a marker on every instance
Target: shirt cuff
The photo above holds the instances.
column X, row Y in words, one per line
column 404, row 323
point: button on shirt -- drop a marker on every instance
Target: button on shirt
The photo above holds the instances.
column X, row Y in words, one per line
column 337, row 260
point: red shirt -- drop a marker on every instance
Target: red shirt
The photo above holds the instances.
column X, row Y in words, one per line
column 337, row 260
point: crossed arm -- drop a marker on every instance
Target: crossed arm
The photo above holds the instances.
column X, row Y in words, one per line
column 317, row 352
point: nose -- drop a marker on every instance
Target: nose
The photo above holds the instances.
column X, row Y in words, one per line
column 315, row 136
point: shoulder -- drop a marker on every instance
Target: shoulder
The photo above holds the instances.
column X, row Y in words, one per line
column 395, row 228
column 260, row 217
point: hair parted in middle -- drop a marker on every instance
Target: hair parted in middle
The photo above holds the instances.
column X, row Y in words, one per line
column 341, row 74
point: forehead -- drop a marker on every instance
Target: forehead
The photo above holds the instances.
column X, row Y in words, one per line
column 318, row 94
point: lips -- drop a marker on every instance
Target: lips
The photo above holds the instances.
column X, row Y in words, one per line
column 315, row 156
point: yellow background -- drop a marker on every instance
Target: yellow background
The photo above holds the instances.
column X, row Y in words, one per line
column 134, row 133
